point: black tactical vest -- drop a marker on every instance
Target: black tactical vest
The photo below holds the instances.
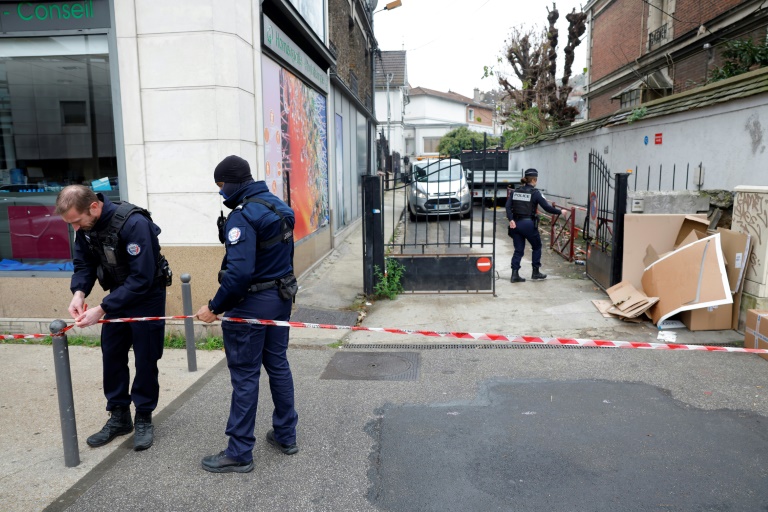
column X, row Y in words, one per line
column 522, row 202
column 113, row 267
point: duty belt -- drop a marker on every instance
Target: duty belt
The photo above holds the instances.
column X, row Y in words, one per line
column 258, row 287
column 519, row 217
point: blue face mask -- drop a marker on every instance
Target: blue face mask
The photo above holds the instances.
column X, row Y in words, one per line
column 222, row 194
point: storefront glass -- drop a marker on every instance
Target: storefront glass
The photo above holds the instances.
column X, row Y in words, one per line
column 56, row 128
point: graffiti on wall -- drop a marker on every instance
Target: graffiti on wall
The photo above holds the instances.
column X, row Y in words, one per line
column 750, row 215
column 296, row 146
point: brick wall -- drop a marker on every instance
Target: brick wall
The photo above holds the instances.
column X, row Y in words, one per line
column 690, row 72
column 618, row 36
column 350, row 46
column 602, row 105
column 693, row 13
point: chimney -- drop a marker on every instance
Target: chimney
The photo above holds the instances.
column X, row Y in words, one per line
column 476, row 95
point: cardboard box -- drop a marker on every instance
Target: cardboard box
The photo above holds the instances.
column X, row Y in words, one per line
column 691, row 224
column 712, row 318
column 756, row 334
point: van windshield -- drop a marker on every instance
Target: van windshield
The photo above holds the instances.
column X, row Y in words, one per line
column 437, row 171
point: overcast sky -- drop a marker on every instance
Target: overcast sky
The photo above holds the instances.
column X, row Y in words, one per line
column 449, row 41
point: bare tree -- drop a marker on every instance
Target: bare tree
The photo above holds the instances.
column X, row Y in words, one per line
column 533, row 57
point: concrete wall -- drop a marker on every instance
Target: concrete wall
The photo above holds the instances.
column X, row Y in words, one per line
column 728, row 140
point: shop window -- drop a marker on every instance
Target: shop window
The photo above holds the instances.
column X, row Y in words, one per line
column 56, row 129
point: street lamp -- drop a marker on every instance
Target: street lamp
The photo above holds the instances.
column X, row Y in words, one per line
column 390, row 6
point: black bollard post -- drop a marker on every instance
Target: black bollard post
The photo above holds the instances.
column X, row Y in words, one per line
column 189, row 325
column 64, row 388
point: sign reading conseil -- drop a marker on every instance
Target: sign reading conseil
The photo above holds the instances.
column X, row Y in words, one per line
column 40, row 16
column 277, row 41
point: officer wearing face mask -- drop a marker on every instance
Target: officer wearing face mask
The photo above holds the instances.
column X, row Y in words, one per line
column 521, row 206
column 256, row 281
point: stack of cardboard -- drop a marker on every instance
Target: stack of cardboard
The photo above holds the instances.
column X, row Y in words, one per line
column 694, row 272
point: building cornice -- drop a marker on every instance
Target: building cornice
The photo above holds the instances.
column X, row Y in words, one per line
column 682, row 46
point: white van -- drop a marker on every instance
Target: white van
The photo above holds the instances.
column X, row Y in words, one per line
column 438, row 187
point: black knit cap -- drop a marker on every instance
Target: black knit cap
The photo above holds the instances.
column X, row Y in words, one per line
column 232, row 169
column 531, row 173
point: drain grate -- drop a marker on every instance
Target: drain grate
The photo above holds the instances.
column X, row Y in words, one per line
column 373, row 366
column 450, row 346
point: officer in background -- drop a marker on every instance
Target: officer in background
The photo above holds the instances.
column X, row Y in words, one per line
column 521, row 207
column 117, row 244
column 256, row 281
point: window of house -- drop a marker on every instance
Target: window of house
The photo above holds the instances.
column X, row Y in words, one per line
column 659, row 22
column 430, row 144
column 630, row 98
column 73, row 113
column 471, row 114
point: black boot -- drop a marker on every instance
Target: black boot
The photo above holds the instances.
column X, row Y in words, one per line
column 516, row 277
column 119, row 424
column 537, row 275
column 145, row 431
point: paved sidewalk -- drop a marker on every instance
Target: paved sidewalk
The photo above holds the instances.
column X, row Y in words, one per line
column 338, row 417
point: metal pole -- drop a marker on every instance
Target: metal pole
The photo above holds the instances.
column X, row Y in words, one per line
column 64, row 389
column 189, row 325
column 619, row 209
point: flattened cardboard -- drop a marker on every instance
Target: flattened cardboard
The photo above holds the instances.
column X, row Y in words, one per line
column 756, row 334
column 642, row 230
column 627, row 301
column 691, row 277
column 603, row 306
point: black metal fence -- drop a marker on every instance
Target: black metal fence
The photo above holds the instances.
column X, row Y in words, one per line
column 445, row 243
column 604, row 223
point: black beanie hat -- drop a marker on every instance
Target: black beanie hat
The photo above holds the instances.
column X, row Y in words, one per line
column 232, row 169
column 531, row 173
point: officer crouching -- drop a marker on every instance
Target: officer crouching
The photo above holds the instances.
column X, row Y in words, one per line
column 256, row 281
column 521, row 206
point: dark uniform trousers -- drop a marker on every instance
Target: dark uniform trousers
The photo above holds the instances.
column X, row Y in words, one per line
column 147, row 340
column 248, row 347
column 526, row 230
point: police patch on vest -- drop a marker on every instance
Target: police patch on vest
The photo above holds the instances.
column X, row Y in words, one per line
column 234, row 235
column 521, row 196
column 133, row 249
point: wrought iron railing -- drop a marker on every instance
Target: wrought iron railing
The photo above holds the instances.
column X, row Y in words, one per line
column 657, row 36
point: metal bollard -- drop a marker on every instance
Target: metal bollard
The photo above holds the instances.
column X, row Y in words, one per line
column 189, row 325
column 64, row 388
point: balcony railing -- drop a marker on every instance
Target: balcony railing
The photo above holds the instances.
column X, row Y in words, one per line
column 657, row 37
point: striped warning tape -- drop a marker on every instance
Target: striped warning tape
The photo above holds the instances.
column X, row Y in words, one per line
column 474, row 336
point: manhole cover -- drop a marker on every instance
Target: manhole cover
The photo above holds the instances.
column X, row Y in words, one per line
column 373, row 366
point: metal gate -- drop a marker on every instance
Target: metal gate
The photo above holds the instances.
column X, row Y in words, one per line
column 444, row 242
column 604, row 223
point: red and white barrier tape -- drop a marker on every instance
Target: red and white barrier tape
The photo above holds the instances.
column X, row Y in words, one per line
column 474, row 336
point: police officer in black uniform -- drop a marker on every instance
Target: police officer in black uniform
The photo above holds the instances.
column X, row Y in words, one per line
column 521, row 207
column 256, row 281
column 117, row 244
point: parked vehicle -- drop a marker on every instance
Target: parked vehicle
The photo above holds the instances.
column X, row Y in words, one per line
column 488, row 170
column 437, row 187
